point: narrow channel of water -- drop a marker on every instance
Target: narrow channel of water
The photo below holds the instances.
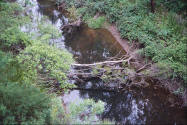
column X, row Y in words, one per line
column 150, row 105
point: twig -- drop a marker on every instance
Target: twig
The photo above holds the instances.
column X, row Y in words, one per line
column 143, row 67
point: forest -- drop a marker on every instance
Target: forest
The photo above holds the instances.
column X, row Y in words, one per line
column 93, row 61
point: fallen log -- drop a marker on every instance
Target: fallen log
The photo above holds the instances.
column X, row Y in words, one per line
column 84, row 75
column 100, row 63
column 97, row 89
column 106, row 71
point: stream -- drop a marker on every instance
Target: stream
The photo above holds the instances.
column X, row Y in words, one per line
column 141, row 106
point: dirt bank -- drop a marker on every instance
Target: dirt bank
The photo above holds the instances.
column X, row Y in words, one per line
column 114, row 31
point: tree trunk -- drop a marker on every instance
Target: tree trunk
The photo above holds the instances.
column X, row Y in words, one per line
column 152, row 6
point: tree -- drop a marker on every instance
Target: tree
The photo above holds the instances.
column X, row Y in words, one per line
column 42, row 63
column 152, row 6
column 23, row 104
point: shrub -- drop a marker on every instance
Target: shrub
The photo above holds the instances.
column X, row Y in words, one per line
column 46, row 32
column 9, row 68
column 96, row 23
column 21, row 104
column 85, row 112
column 11, row 37
column 57, row 112
column 42, row 63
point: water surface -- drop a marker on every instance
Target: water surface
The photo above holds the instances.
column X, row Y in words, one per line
column 139, row 106
column 89, row 45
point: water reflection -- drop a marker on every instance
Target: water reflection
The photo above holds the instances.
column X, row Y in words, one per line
column 48, row 9
column 89, row 45
column 136, row 107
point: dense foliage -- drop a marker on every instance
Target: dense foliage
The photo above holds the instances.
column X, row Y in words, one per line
column 32, row 108
column 8, row 67
column 27, row 61
column 42, row 63
column 162, row 34
column 11, row 38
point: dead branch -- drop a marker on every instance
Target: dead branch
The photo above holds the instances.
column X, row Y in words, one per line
column 110, row 70
column 114, row 57
column 100, row 63
column 142, row 68
column 96, row 89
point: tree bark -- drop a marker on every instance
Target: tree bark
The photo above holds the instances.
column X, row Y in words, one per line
column 152, row 6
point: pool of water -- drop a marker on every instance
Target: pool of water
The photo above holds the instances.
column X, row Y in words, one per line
column 138, row 106
column 89, row 45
